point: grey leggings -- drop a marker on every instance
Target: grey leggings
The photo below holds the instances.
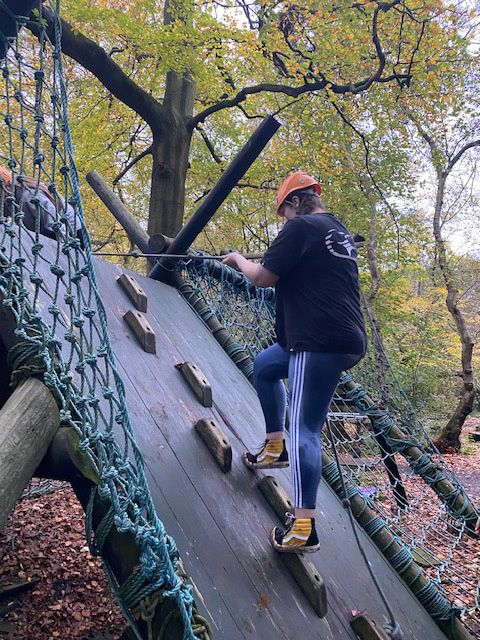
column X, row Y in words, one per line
column 313, row 377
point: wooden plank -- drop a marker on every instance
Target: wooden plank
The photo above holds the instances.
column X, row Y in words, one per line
column 134, row 291
column 238, row 408
column 16, row 586
column 216, row 442
column 197, row 381
column 225, row 592
column 142, row 330
column 195, row 493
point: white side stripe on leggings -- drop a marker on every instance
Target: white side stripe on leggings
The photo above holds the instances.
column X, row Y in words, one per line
column 296, row 398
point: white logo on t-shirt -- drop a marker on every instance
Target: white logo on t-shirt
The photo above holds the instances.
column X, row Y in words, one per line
column 341, row 244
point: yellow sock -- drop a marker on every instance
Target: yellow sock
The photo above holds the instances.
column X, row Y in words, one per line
column 299, row 533
column 302, row 527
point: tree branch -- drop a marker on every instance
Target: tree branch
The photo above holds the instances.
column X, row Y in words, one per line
column 209, row 145
column 96, row 60
column 453, row 161
column 133, row 162
column 318, row 85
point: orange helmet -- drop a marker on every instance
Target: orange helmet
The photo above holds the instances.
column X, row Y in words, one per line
column 5, row 175
column 295, row 182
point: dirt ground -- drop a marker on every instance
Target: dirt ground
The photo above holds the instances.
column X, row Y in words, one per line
column 43, row 543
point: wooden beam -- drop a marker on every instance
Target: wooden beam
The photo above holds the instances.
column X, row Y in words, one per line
column 28, row 422
column 134, row 231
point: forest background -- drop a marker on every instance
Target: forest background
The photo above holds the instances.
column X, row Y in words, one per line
column 379, row 100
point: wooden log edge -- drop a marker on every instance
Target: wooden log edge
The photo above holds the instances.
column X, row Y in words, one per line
column 28, row 421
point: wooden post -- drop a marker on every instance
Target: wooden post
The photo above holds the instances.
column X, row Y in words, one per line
column 28, row 422
column 134, row 231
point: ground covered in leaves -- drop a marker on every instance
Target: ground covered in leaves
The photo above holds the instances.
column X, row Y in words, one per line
column 43, row 544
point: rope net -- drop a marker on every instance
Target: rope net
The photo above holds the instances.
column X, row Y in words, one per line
column 383, row 453
column 60, row 331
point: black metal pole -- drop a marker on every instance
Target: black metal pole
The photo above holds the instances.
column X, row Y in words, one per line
column 236, row 169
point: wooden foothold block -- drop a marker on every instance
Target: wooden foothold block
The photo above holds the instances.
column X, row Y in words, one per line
column 216, row 442
column 304, row 572
column 197, row 382
column 366, row 628
column 275, row 496
column 134, row 291
column 309, row 580
column 142, row 329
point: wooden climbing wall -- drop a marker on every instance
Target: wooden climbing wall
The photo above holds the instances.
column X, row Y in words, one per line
column 219, row 520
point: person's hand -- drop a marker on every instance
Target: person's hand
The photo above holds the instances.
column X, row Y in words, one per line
column 231, row 259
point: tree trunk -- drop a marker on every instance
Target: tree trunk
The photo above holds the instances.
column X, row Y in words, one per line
column 449, row 438
column 170, row 151
column 381, row 363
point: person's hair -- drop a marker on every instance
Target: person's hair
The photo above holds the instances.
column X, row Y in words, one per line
column 309, row 201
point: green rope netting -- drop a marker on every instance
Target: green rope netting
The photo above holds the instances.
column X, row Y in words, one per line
column 383, row 451
column 60, row 324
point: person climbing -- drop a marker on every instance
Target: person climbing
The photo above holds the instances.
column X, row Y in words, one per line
column 320, row 332
column 33, row 198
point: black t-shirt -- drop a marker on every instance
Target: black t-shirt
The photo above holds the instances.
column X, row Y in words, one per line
column 317, row 294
